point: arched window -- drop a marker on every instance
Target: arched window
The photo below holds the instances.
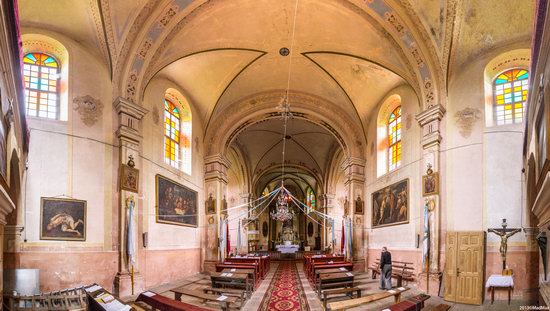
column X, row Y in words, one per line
column 171, row 133
column 41, row 74
column 310, row 198
column 394, row 139
column 510, row 89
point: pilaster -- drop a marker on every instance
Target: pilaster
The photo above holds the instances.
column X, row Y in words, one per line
column 130, row 139
column 354, row 170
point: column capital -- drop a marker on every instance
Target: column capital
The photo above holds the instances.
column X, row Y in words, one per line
column 430, row 121
column 216, row 167
column 129, row 116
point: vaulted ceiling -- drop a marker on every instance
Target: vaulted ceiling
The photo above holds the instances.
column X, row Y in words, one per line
column 348, row 52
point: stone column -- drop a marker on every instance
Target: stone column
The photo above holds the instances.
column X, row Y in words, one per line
column 354, row 170
column 430, row 121
column 327, row 202
column 128, row 133
column 215, row 184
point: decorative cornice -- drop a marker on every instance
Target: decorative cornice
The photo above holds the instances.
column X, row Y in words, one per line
column 123, row 105
column 434, row 113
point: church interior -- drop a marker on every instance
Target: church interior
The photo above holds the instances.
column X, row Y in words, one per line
column 274, row 155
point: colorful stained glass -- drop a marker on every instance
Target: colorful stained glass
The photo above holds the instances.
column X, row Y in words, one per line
column 171, row 133
column 511, row 89
column 310, row 198
column 394, row 138
column 41, row 77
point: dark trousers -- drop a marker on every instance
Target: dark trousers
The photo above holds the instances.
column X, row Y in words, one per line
column 385, row 277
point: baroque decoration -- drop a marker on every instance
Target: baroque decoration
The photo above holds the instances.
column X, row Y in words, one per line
column 465, row 120
column 89, row 108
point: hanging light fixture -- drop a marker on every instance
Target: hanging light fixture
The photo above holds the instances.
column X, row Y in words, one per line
column 282, row 212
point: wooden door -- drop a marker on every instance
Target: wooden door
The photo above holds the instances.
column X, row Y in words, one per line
column 464, row 269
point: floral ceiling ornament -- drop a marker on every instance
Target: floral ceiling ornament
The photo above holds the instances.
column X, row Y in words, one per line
column 89, row 108
column 465, row 120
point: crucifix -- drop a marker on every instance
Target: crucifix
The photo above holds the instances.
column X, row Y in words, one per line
column 504, row 234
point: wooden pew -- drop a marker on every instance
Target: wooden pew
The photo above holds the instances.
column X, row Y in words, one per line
column 411, row 304
column 325, row 271
column 351, row 303
column 441, row 307
column 314, row 264
column 159, row 302
column 222, row 266
column 239, row 294
column 223, row 301
column 248, row 260
column 328, row 258
column 347, row 265
column 401, row 271
column 251, row 273
column 338, row 291
column 334, row 280
column 236, row 280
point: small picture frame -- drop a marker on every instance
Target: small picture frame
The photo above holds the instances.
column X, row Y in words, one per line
column 129, row 178
column 430, row 184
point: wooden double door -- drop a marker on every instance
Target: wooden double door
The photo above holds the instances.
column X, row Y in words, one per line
column 465, row 266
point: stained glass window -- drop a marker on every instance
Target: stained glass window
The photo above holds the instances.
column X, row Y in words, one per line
column 41, row 74
column 171, row 133
column 394, row 138
column 510, row 90
column 310, row 198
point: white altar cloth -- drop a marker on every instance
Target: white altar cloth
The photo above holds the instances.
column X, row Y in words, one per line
column 497, row 280
column 287, row 249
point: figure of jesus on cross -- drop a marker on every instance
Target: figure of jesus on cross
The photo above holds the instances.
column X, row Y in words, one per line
column 504, row 235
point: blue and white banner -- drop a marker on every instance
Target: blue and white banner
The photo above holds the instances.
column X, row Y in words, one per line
column 426, row 237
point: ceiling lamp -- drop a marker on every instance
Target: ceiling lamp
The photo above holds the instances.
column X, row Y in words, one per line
column 283, row 212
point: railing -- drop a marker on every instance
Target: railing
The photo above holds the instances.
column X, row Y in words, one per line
column 68, row 299
column 276, row 255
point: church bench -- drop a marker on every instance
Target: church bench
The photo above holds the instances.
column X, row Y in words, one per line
column 221, row 266
column 236, row 280
column 159, row 302
column 411, row 304
column 441, row 307
column 318, row 272
column 223, row 301
column 329, row 258
column 248, row 260
column 351, row 303
column 251, row 273
column 334, row 280
column 239, row 294
column 347, row 265
column 375, row 267
column 339, row 291
column 312, row 266
column 402, row 271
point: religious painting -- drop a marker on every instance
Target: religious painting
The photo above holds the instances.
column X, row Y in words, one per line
column 62, row 219
column 390, row 205
column 359, row 205
column 210, row 205
column 129, row 178
column 310, row 229
column 430, row 184
column 176, row 204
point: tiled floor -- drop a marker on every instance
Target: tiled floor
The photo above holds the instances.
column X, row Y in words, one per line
column 362, row 280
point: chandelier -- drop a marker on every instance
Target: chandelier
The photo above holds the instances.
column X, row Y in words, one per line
column 282, row 212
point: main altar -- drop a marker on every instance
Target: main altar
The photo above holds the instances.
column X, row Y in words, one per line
column 288, row 244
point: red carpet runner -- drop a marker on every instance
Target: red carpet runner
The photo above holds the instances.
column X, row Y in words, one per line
column 285, row 291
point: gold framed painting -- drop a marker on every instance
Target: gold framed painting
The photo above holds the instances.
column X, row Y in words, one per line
column 175, row 203
column 430, row 184
column 390, row 205
column 62, row 219
column 129, row 178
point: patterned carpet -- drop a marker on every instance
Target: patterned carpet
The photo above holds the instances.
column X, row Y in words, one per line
column 285, row 291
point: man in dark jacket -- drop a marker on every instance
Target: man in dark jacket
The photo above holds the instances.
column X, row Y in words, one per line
column 385, row 269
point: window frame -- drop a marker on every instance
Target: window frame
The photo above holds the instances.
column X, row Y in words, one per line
column 496, row 105
column 57, row 91
column 397, row 143
column 177, row 151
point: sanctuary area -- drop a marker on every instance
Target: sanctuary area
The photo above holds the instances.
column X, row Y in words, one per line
column 274, row 154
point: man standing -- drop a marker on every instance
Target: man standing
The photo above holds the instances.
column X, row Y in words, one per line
column 385, row 269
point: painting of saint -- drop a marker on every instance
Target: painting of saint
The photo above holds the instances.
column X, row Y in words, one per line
column 62, row 219
column 430, row 184
column 176, row 204
column 210, row 205
column 359, row 205
column 129, row 178
column 390, row 205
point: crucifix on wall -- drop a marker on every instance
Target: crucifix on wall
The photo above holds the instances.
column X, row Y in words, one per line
column 504, row 234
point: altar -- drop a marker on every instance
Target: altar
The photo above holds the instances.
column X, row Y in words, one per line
column 287, row 248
